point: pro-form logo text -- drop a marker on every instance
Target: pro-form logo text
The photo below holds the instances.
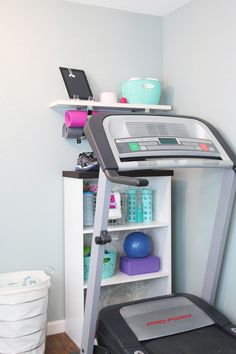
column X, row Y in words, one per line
column 168, row 320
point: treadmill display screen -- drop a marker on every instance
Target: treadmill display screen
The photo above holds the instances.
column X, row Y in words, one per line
column 168, row 141
column 134, row 146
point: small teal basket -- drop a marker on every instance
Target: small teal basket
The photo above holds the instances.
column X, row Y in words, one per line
column 108, row 267
column 146, row 91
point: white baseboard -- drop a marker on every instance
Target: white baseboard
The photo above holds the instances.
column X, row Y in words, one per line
column 55, row 327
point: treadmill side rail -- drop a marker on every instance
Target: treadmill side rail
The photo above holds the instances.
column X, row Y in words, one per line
column 219, row 236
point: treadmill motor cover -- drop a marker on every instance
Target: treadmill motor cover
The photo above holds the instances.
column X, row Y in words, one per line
column 217, row 337
column 162, row 317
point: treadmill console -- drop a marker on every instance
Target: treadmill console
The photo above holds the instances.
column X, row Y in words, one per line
column 165, row 144
column 149, row 141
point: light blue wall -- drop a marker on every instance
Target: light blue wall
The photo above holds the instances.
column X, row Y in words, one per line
column 36, row 37
column 199, row 70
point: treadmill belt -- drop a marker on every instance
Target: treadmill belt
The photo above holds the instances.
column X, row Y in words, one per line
column 209, row 340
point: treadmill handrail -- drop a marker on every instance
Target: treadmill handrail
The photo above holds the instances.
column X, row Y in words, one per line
column 113, row 176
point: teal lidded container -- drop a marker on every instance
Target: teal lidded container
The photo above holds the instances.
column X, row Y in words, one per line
column 143, row 91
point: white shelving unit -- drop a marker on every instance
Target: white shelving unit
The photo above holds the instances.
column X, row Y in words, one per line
column 151, row 284
column 94, row 105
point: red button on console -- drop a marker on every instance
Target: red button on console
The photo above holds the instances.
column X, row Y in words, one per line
column 204, row 147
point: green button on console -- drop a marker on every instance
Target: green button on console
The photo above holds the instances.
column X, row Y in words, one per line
column 134, row 146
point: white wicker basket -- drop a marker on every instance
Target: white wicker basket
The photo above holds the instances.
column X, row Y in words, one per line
column 23, row 312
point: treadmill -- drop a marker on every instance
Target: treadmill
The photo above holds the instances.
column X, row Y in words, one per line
column 177, row 323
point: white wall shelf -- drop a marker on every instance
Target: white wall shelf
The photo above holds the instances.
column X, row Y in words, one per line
column 76, row 236
column 94, row 105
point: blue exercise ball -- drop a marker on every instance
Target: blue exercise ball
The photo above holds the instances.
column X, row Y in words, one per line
column 137, row 245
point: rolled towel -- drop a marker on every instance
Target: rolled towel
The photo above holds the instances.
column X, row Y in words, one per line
column 74, row 119
column 71, row 133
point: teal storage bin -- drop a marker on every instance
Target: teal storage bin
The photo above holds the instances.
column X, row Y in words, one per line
column 144, row 91
column 108, row 267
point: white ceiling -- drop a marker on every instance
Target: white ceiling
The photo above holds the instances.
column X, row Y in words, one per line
column 150, row 7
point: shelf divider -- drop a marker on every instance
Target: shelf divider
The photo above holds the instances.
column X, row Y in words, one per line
column 128, row 227
column 122, row 278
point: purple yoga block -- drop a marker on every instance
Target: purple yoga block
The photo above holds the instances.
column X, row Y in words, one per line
column 133, row 266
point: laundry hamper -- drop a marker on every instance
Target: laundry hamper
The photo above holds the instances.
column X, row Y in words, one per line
column 23, row 312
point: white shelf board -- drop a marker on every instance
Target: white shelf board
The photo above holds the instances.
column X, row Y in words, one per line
column 128, row 227
column 122, row 278
column 64, row 104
